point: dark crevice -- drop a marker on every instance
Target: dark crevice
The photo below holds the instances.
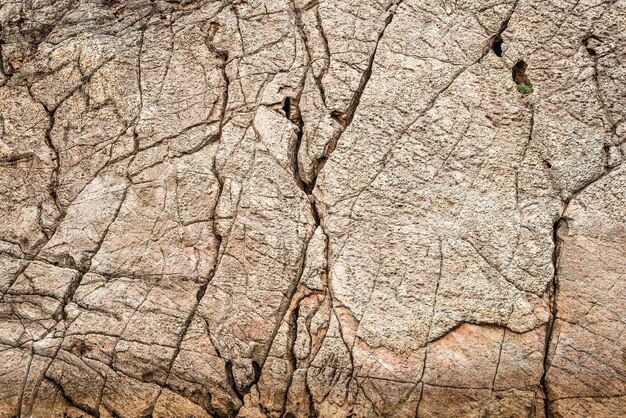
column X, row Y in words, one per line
column 590, row 43
column 291, row 357
column 70, row 402
column 310, row 401
column 348, row 115
column 296, row 119
column 518, row 73
column 344, row 119
column 287, row 107
column 496, row 45
column 256, row 367
column 337, row 117
column 552, row 294
column 291, row 109
column 559, row 227
column 67, row 298
column 496, row 40
column 228, row 367
column 54, row 177
column 292, row 112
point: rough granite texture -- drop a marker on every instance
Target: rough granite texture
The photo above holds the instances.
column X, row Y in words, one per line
column 333, row 208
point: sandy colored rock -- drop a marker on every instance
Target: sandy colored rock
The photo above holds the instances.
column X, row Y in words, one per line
column 321, row 208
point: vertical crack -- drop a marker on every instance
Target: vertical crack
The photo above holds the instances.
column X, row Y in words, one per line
column 309, row 395
column 218, row 253
column 553, row 287
column 590, row 43
column 303, row 35
column 291, row 356
column 495, row 375
column 430, row 327
column 324, row 71
column 343, row 118
column 230, row 378
column 553, row 295
column 54, row 177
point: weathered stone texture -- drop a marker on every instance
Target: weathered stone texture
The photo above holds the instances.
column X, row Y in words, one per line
column 292, row 208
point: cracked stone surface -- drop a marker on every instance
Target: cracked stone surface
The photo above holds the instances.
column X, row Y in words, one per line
column 312, row 208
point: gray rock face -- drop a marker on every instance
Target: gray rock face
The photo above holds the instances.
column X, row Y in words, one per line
column 297, row 208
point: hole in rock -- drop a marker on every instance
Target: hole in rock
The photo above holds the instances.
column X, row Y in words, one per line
column 496, row 46
column 518, row 73
column 287, row 107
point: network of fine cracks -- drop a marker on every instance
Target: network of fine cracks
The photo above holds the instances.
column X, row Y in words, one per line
column 240, row 105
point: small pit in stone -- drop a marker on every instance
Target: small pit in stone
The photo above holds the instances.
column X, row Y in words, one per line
column 496, row 46
column 79, row 348
column 213, row 28
column 520, row 78
column 591, row 42
column 240, row 6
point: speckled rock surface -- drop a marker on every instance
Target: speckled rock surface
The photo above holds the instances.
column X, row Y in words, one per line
column 290, row 208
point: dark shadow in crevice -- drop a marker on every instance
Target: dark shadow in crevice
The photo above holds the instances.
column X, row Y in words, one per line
column 496, row 46
column 591, row 42
column 287, row 107
column 518, row 72
column 338, row 117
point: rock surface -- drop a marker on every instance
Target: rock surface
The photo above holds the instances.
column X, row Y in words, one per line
column 291, row 208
